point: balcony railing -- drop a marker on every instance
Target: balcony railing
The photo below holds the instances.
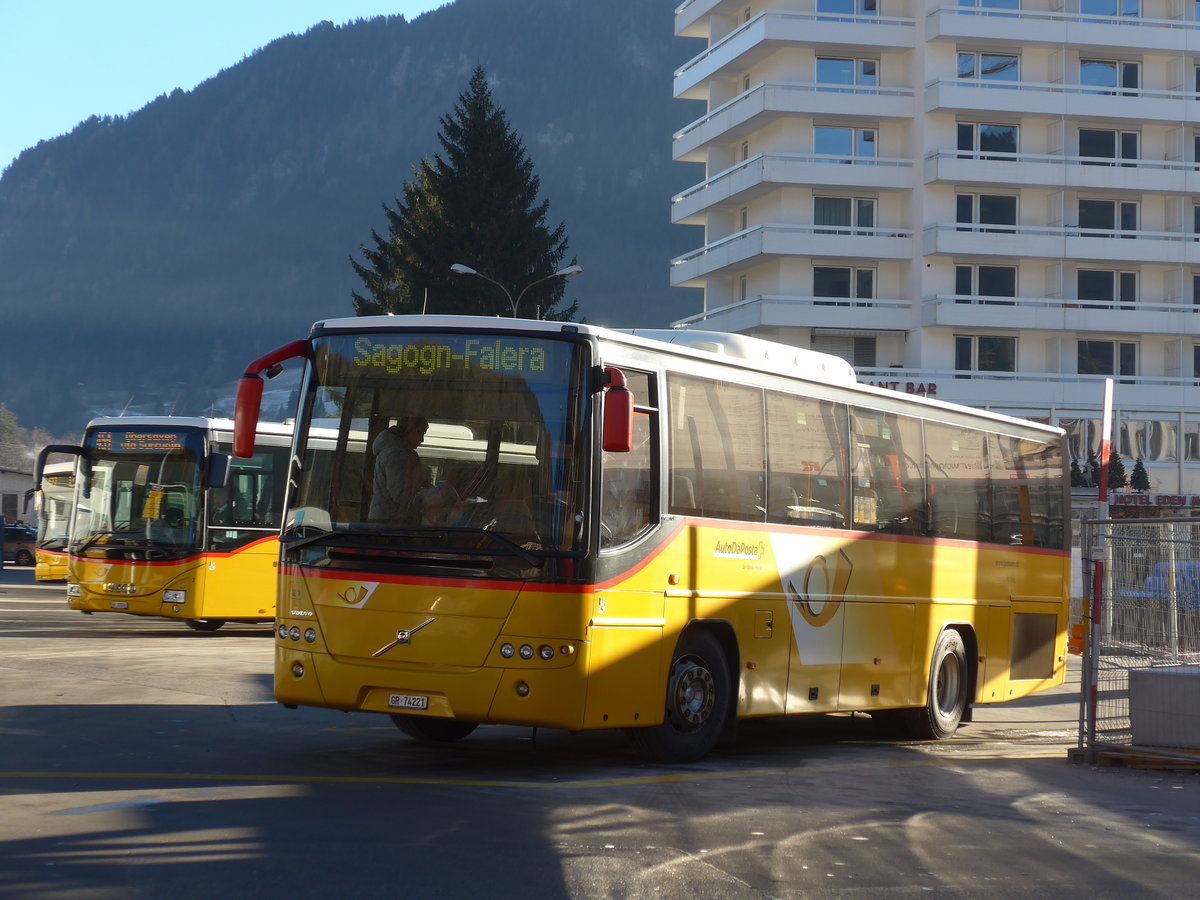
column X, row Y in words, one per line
column 1169, row 165
column 1041, row 87
column 892, row 308
column 759, row 91
column 1068, row 231
column 1070, row 303
column 780, row 16
column 764, row 232
column 1038, row 15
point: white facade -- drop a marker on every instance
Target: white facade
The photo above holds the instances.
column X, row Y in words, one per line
column 997, row 206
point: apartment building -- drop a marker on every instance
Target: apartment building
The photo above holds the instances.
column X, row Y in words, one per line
column 995, row 203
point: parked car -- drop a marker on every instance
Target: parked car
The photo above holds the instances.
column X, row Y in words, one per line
column 20, row 541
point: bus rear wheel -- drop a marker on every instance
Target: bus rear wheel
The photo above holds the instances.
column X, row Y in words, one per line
column 429, row 730
column 698, row 704
column 204, row 624
column 949, row 681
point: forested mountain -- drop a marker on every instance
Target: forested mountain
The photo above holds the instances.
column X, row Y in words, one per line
column 151, row 256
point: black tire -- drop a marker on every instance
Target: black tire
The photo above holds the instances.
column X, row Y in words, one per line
column 24, row 558
column 204, row 624
column 949, row 683
column 429, row 730
column 698, row 703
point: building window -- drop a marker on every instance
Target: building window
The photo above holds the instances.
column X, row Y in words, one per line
column 848, row 214
column 1105, row 287
column 744, row 218
column 849, row 72
column 843, row 283
column 745, row 150
column 1112, row 216
column 985, row 353
column 855, row 145
column 985, row 281
column 1099, row 145
column 982, row 138
column 742, row 288
column 1195, row 289
column 998, row 67
column 1107, row 358
column 849, row 7
column 1109, row 73
column 1110, row 7
column 745, row 84
column 977, row 210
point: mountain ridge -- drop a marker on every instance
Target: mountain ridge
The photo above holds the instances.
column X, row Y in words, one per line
column 158, row 252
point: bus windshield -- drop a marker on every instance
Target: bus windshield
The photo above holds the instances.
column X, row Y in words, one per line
column 457, row 443
column 141, row 492
column 54, row 507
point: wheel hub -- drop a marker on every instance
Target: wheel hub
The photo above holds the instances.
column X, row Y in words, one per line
column 693, row 693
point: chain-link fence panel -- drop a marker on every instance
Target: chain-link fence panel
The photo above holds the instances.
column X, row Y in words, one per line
column 1141, row 667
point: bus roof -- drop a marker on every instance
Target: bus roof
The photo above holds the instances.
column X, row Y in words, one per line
column 741, row 350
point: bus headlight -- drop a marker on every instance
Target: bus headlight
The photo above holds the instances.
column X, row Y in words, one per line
column 283, row 632
column 546, row 651
column 526, row 651
column 294, row 634
column 74, row 590
column 310, row 634
column 507, row 651
column 175, row 596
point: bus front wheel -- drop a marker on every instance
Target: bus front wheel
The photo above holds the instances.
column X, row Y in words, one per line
column 949, row 682
column 204, row 624
column 429, row 730
column 698, row 704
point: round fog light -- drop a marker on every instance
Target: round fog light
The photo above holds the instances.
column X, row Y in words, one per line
column 310, row 634
column 522, row 689
column 526, row 651
column 546, row 651
column 298, row 670
column 507, row 650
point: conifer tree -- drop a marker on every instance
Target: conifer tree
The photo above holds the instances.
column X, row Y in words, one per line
column 476, row 203
column 1116, row 471
column 12, row 445
column 1140, row 479
column 1077, row 479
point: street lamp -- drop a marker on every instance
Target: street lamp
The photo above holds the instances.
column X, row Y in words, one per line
column 460, row 269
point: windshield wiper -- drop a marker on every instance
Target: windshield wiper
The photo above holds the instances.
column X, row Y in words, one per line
column 511, row 547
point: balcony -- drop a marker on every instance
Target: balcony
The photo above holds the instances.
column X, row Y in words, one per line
column 1057, row 242
column 1135, row 34
column 773, row 311
column 1057, row 171
column 691, row 16
column 762, row 174
column 769, row 31
column 1033, row 393
column 752, row 109
column 774, row 241
column 1055, row 314
column 1075, row 101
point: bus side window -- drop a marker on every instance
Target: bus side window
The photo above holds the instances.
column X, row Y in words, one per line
column 806, row 452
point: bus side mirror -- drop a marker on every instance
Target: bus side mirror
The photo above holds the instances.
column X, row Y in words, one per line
column 618, row 414
column 218, row 470
column 85, row 465
column 245, row 415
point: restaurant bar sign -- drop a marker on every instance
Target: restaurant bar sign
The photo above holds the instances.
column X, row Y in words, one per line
column 1172, row 500
column 924, row 388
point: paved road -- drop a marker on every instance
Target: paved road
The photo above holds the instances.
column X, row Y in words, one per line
column 141, row 759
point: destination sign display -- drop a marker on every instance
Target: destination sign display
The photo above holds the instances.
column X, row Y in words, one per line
column 426, row 357
column 133, row 440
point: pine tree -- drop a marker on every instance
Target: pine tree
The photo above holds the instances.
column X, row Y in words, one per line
column 1093, row 469
column 1139, row 480
column 1116, row 471
column 475, row 204
column 13, row 454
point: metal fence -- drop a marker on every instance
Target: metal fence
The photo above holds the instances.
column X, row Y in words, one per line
column 1143, row 634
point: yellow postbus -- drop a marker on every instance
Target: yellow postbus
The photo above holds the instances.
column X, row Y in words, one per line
column 165, row 525
column 661, row 532
column 53, row 510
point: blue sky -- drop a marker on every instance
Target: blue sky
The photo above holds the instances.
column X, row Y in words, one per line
column 64, row 60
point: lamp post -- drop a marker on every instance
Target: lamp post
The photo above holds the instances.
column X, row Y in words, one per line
column 460, row 269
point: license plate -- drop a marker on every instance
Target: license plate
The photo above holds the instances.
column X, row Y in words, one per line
column 119, row 604
column 407, row 701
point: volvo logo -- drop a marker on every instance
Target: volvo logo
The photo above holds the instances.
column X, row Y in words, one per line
column 403, row 638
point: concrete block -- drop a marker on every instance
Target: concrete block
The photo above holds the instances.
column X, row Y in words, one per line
column 1164, row 706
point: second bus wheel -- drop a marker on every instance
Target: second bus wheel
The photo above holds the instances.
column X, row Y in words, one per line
column 949, row 682
column 204, row 624
column 429, row 730
column 699, row 698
